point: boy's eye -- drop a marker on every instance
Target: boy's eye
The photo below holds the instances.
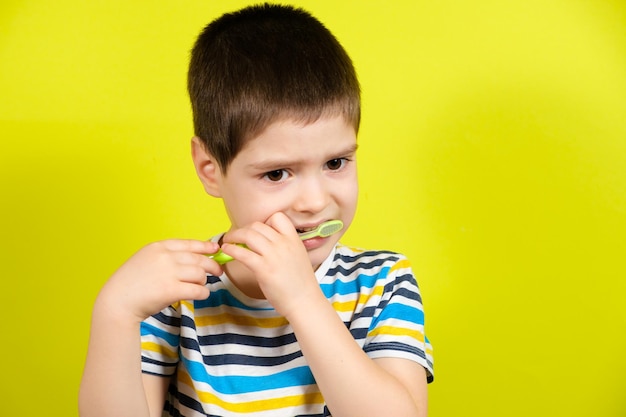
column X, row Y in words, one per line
column 335, row 164
column 276, row 175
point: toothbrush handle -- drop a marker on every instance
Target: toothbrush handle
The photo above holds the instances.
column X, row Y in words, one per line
column 220, row 257
column 307, row 235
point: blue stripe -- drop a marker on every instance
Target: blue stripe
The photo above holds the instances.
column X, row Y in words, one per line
column 400, row 312
column 223, row 297
column 236, row 384
column 148, row 329
column 353, row 286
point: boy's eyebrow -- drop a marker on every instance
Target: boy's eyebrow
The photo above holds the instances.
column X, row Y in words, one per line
column 347, row 151
column 268, row 164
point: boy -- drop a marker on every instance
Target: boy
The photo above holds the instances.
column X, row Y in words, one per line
column 289, row 327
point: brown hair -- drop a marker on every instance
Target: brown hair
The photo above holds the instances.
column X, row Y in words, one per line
column 262, row 64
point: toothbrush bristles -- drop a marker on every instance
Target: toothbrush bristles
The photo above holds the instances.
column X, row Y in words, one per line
column 328, row 229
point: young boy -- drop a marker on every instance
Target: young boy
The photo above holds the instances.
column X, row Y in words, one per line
column 290, row 326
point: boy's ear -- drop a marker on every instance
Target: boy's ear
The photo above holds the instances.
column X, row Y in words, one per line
column 207, row 168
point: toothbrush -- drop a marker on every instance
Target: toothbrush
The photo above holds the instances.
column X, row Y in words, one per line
column 322, row 230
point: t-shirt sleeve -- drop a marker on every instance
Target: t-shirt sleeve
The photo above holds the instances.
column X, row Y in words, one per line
column 397, row 328
column 160, row 335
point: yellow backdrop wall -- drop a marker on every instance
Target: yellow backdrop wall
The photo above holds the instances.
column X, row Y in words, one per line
column 493, row 148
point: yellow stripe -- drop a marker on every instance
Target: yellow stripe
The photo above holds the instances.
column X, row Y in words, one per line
column 400, row 264
column 397, row 331
column 257, row 405
column 214, row 320
column 353, row 249
column 344, row 306
column 262, row 405
column 155, row 347
column 270, row 322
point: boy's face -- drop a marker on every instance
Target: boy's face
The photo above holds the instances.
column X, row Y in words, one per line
column 308, row 172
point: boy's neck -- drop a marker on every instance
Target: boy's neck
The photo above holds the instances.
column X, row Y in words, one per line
column 243, row 279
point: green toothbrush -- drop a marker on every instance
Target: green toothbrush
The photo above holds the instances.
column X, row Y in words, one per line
column 322, row 230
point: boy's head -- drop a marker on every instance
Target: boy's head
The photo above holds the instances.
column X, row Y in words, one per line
column 264, row 64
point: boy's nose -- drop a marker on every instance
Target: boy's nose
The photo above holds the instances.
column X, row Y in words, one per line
column 312, row 196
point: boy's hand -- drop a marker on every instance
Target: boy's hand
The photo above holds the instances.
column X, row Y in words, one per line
column 159, row 275
column 278, row 259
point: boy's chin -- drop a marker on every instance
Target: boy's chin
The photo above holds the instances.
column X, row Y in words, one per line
column 318, row 256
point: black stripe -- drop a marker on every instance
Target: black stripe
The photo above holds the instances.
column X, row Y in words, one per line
column 184, row 400
column 247, row 340
column 373, row 347
column 359, row 333
column 167, row 320
column 151, row 361
column 236, row 359
column 359, row 263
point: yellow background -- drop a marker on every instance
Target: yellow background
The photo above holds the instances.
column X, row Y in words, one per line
column 493, row 153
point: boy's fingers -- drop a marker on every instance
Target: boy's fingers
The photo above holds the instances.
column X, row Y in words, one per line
column 260, row 228
column 191, row 291
column 190, row 245
column 192, row 273
column 241, row 253
column 234, row 249
column 201, row 265
column 281, row 223
column 251, row 236
column 210, row 265
column 277, row 224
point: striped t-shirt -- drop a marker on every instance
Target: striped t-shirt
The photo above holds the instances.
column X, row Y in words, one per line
column 235, row 356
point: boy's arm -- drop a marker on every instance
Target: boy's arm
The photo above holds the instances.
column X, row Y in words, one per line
column 412, row 375
column 112, row 379
column 156, row 390
column 351, row 382
column 155, row 277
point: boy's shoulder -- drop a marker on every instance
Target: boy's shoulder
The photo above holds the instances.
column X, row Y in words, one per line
column 372, row 258
column 354, row 270
column 358, row 252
